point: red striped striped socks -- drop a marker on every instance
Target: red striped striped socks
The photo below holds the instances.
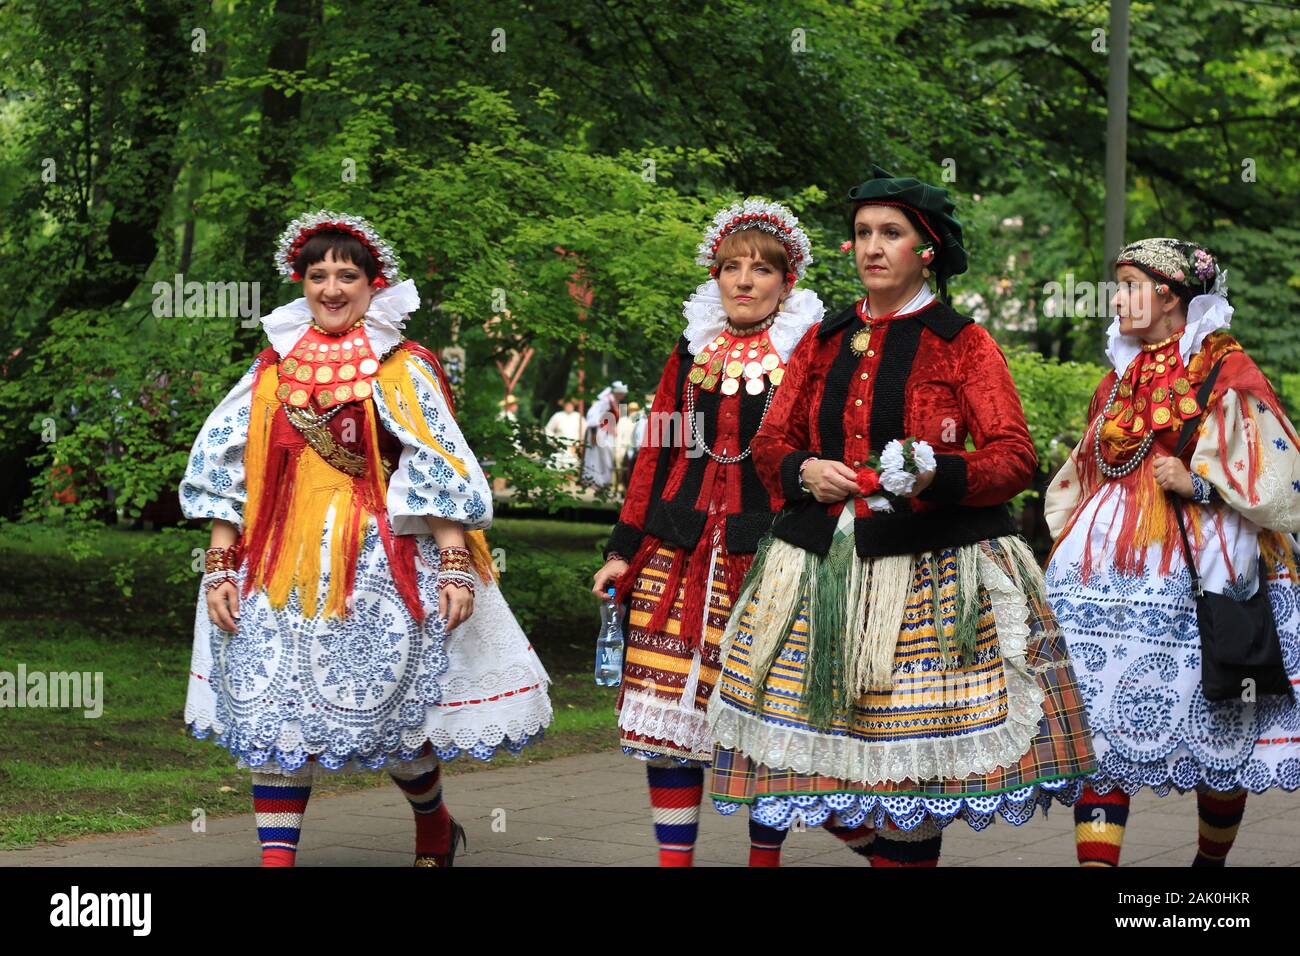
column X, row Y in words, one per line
column 279, row 803
column 765, row 844
column 675, row 794
column 432, row 821
column 860, row 839
column 910, row 848
column 1220, row 817
column 1099, row 823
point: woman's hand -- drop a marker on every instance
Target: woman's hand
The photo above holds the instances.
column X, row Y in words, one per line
column 223, row 606
column 830, row 481
column 455, row 605
column 614, row 569
column 1172, row 475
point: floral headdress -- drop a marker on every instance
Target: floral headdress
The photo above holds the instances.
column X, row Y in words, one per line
column 765, row 216
column 300, row 230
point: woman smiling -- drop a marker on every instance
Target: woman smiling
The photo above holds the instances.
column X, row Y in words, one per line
column 349, row 617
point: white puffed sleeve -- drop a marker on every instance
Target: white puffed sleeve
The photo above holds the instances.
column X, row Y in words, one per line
column 437, row 476
column 1064, row 493
column 213, row 486
column 1245, row 451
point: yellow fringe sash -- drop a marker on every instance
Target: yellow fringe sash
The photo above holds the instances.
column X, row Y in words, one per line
column 317, row 487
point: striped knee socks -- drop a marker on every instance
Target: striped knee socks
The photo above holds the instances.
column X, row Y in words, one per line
column 1099, row 823
column 911, row 848
column 765, row 844
column 432, row 821
column 675, row 794
column 279, row 803
column 860, row 839
column 1220, row 817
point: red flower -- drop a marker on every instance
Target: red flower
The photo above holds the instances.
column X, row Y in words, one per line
column 868, row 482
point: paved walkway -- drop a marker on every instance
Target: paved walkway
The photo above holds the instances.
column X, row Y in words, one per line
column 592, row 810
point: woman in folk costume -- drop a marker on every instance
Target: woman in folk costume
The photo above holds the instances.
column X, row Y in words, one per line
column 695, row 507
column 893, row 659
column 349, row 618
column 1119, row 579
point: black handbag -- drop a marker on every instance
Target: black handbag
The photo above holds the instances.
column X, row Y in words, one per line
column 1240, row 651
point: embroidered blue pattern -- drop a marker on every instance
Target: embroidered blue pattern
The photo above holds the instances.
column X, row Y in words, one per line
column 425, row 483
column 360, row 690
column 1138, row 663
column 353, row 689
column 908, row 812
column 213, row 484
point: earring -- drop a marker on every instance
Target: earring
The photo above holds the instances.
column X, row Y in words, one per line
column 780, row 306
column 926, row 273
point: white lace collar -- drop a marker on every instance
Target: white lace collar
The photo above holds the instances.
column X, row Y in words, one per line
column 384, row 319
column 706, row 318
column 1205, row 314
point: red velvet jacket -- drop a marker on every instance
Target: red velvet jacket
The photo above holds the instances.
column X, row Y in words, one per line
column 932, row 374
column 675, row 484
column 680, row 496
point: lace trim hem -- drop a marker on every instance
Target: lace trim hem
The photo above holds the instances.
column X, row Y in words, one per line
column 667, row 759
column 649, row 716
column 276, row 760
column 526, row 720
column 1185, row 773
column 907, row 813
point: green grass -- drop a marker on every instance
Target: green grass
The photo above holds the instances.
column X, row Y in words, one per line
column 63, row 775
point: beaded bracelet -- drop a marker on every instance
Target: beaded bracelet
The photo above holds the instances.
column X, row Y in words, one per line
column 454, row 559
column 214, row 579
column 1203, row 493
column 220, row 559
column 460, row 579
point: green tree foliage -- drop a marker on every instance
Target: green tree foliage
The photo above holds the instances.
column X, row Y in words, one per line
column 514, row 154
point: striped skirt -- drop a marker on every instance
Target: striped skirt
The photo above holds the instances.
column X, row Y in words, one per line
column 666, row 685
column 997, row 728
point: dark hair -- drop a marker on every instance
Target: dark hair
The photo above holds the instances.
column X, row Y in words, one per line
column 346, row 247
column 1185, row 295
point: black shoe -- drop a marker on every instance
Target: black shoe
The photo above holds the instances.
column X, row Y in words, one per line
column 449, row 858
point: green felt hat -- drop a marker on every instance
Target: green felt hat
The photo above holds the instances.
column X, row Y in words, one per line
column 931, row 205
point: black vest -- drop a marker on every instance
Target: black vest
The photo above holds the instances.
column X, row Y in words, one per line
column 807, row 522
column 676, row 520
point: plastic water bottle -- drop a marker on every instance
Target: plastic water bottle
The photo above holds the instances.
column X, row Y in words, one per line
column 609, row 644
